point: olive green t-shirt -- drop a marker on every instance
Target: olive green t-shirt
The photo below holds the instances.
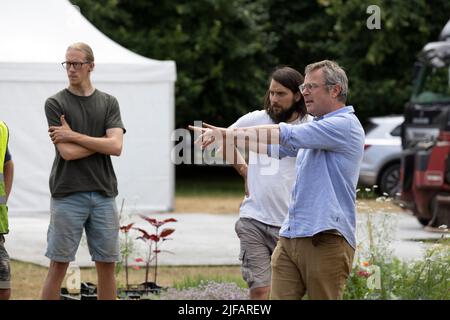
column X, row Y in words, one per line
column 92, row 116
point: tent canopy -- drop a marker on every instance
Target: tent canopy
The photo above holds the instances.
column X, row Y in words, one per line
column 35, row 36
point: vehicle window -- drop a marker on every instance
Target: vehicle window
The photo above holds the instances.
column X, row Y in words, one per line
column 369, row 127
column 397, row 132
column 433, row 86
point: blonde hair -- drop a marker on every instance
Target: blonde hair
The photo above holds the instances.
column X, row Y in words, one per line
column 83, row 47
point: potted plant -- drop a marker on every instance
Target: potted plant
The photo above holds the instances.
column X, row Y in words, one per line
column 125, row 251
column 154, row 242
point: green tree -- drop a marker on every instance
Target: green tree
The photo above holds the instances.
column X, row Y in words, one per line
column 304, row 32
column 379, row 62
column 222, row 48
column 225, row 50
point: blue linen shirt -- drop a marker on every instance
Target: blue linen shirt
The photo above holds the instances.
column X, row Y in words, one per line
column 329, row 151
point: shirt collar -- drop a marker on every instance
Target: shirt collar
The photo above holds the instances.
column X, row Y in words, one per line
column 346, row 109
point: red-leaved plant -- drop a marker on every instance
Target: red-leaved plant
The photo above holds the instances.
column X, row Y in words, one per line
column 125, row 252
column 152, row 241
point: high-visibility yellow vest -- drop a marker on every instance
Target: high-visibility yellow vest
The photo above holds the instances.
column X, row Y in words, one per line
column 3, row 208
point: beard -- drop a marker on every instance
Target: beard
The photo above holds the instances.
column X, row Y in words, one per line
column 283, row 115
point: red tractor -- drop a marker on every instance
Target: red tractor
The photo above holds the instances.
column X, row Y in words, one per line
column 425, row 165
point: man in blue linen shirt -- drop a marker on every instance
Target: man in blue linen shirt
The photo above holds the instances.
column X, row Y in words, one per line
column 317, row 239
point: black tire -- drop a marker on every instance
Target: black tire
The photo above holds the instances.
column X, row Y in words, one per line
column 390, row 180
column 424, row 221
column 441, row 213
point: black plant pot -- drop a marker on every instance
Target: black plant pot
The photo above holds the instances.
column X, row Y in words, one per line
column 139, row 292
column 88, row 291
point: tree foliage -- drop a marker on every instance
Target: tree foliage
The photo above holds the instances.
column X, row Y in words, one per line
column 225, row 49
column 379, row 63
column 222, row 49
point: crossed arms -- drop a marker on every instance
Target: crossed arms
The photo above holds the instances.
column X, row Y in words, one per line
column 73, row 145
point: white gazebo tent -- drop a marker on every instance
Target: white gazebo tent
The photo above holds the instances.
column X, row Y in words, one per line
column 34, row 37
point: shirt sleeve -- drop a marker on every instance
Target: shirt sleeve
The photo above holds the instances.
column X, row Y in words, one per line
column 279, row 152
column 327, row 134
column 113, row 118
column 7, row 155
column 53, row 112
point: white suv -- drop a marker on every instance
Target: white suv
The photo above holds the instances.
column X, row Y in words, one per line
column 382, row 153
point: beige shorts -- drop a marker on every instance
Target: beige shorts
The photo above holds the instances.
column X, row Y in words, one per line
column 318, row 266
column 257, row 242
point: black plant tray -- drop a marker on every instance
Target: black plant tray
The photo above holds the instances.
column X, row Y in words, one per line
column 88, row 291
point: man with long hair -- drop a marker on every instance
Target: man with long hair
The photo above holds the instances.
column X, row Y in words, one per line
column 317, row 239
column 268, row 182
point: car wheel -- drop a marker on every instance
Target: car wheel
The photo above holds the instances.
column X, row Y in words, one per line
column 390, row 180
column 440, row 210
column 423, row 221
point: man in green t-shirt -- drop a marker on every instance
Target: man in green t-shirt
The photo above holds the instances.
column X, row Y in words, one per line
column 86, row 129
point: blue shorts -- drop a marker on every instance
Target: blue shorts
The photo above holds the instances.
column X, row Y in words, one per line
column 91, row 211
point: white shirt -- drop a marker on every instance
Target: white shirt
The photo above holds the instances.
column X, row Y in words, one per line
column 269, row 180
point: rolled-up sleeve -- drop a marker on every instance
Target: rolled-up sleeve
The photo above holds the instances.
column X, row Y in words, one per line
column 327, row 134
column 279, row 152
column 285, row 133
column 283, row 149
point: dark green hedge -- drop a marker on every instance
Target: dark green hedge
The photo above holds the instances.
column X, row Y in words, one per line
column 225, row 49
